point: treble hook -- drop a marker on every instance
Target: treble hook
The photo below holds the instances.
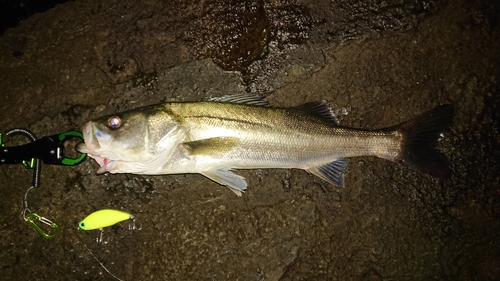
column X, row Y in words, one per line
column 134, row 225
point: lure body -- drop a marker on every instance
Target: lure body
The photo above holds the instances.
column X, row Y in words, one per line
column 104, row 218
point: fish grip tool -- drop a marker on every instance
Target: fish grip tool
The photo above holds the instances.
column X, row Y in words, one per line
column 50, row 150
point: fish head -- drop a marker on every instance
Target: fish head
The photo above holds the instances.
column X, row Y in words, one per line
column 115, row 140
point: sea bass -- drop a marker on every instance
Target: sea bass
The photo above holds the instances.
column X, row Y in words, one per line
column 215, row 137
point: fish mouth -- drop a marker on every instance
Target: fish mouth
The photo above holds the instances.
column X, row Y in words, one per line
column 106, row 164
column 91, row 143
column 91, row 146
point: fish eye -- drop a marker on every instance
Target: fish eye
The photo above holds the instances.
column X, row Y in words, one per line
column 114, row 122
column 82, row 225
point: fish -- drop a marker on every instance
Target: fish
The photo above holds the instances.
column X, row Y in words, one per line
column 217, row 136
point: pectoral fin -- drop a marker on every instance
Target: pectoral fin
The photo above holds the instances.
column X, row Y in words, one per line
column 235, row 182
column 332, row 172
column 211, row 146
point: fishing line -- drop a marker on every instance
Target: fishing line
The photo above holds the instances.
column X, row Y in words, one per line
column 100, row 263
column 96, row 259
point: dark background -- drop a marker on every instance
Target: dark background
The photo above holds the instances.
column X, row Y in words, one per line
column 378, row 63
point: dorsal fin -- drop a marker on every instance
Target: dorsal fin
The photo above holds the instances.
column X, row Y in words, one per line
column 249, row 99
column 319, row 109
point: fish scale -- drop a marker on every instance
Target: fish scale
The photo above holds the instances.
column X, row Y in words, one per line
column 263, row 133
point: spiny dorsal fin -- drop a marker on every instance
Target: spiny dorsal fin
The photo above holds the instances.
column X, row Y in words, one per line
column 249, row 99
column 319, row 109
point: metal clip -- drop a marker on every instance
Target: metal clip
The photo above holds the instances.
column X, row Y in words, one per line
column 32, row 220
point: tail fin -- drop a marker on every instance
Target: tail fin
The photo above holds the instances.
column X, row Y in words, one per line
column 420, row 137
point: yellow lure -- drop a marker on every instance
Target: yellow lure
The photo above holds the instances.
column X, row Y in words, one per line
column 104, row 218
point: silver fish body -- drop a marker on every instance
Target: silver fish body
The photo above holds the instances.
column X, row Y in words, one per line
column 243, row 132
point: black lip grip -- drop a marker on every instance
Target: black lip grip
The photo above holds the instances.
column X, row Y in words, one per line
column 49, row 149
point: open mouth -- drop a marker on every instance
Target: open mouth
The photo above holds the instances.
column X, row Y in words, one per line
column 105, row 164
column 91, row 146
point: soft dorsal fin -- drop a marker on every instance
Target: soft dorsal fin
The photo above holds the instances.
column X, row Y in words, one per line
column 319, row 109
column 249, row 99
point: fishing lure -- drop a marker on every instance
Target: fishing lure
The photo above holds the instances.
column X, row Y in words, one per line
column 104, row 218
column 101, row 219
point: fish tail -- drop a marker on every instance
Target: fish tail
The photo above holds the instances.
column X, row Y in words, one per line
column 420, row 137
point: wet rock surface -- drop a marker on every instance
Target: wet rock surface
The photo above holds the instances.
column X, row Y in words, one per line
column 378, row 63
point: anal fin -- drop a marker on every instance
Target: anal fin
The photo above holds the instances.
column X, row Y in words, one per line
column 235, row 182
column 332, row 172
